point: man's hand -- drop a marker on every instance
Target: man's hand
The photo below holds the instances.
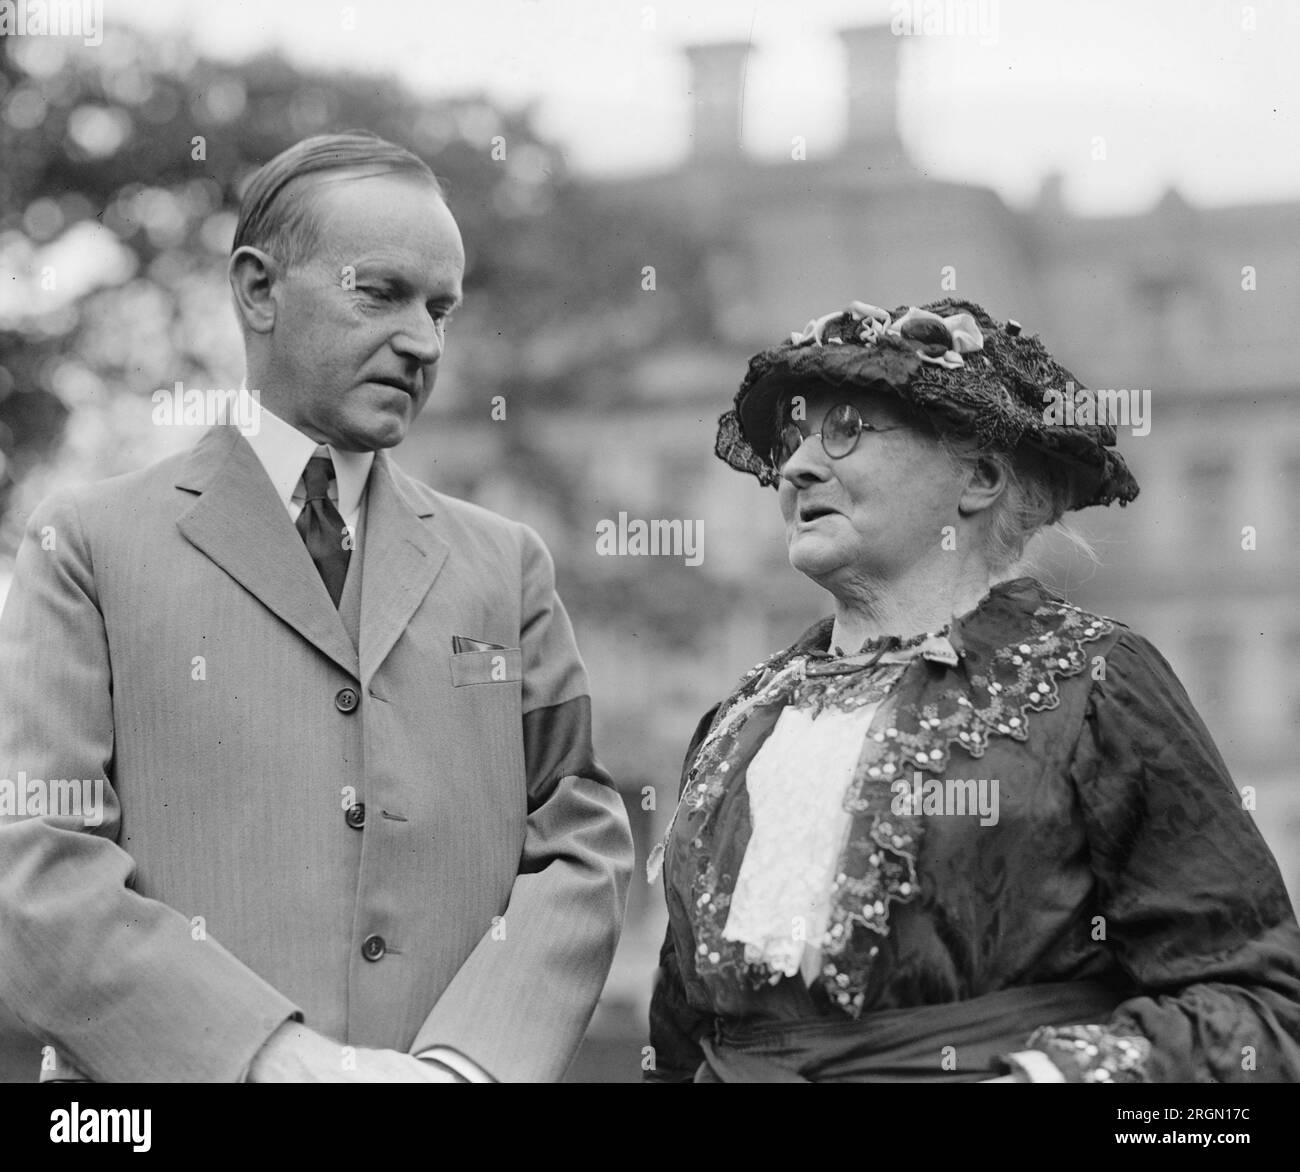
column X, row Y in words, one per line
column 296, row 1054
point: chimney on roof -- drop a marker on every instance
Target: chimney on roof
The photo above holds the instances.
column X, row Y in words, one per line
column 872, row 53
column 717, row 85
column 1051, row 194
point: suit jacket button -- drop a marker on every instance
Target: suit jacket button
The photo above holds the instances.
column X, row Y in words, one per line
column 355, row 816
column 373, row 947
column 347, row 700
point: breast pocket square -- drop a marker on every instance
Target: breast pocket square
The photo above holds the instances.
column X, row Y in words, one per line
column 492, row 665
column 462, row 643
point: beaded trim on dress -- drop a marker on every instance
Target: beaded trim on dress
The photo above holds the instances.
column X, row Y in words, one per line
column 991, row 693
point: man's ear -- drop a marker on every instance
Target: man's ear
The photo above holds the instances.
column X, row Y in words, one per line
column 252, row 275
column 988, row 481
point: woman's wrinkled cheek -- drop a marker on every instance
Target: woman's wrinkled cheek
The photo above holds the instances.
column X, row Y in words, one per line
column 785, row 495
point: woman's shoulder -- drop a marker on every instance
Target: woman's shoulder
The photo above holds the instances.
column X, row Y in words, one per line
column 1135, row 683
column 1027, row 606
column 1029, row 652
column 1138, row 711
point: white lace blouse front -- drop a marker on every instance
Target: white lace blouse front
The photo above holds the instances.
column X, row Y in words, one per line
column 797, row 780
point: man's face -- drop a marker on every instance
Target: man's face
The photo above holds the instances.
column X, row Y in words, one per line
column 359, row 327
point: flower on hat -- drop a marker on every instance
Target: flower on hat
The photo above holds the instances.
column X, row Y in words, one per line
column 938, row 340
column 943, row 340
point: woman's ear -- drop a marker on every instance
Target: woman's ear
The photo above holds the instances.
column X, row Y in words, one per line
column 988, row 480
column 252, row 275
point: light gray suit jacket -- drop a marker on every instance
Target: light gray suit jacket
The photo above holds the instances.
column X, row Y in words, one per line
column 168, row 632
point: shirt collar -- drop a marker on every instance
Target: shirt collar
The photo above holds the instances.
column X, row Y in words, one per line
column 284, row 452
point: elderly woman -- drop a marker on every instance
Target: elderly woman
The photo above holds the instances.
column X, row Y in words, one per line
column 960, row 829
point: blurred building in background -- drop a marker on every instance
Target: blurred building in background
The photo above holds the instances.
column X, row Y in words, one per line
column 607, row 327
column 1184, row 302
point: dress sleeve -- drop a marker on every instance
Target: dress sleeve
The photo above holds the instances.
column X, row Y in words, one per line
column 676, row 1027
column 1189, row 897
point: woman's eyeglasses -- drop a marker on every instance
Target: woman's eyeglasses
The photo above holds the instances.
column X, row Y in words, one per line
column 840, row 431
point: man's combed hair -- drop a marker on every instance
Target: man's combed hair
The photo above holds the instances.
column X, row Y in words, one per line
column 277, row 215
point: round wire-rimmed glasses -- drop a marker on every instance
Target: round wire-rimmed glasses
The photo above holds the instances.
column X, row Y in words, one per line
column 841, row 429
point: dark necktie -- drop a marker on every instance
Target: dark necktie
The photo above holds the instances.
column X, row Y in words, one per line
column 322, row 528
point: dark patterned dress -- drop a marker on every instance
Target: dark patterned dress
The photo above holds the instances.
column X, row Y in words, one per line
column 1121, row 919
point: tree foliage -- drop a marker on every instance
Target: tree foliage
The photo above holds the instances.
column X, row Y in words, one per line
column 119, row 183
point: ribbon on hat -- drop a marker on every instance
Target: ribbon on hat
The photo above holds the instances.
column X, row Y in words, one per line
column 939, row 340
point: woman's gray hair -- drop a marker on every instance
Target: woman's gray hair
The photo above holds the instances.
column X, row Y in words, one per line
column 1037, row 494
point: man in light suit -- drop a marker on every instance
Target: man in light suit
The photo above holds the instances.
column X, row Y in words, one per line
column 351, row 813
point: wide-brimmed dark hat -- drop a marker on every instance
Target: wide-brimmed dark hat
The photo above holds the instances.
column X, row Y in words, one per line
column 971, row 376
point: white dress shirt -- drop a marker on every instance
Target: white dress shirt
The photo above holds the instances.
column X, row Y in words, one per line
column 284, row 452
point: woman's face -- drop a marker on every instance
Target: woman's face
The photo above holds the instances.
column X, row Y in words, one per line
column 876, row 512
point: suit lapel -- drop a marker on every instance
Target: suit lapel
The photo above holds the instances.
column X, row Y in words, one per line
column 401, row 558
column 240, row 523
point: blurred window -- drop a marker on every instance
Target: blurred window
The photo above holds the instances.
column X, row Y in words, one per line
column 1208, row 482
column 1291, row 674
column 1291, row 494
column 1213, row 652
column 682, row 473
